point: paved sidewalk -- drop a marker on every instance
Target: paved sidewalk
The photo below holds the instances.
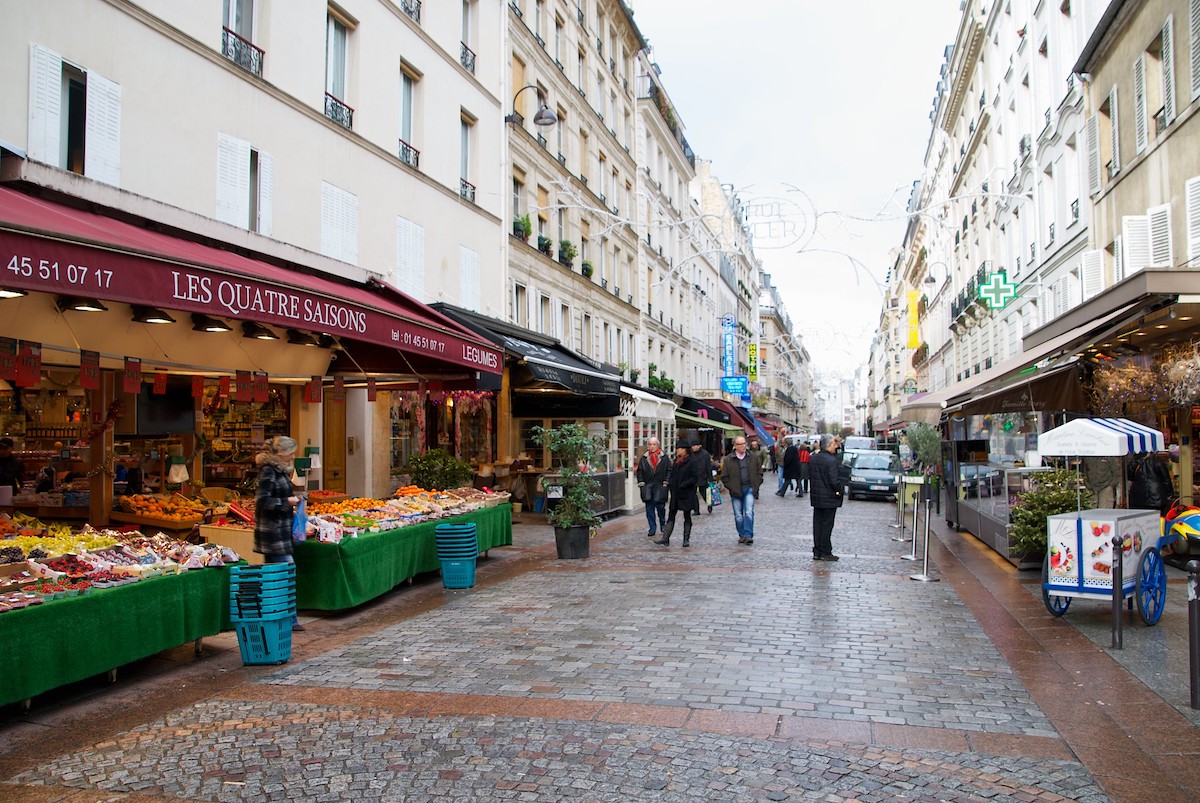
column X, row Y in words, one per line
column 719, row 672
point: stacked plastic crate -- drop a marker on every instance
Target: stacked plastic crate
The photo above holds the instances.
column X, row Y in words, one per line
column 458, row 550
column 262, row 602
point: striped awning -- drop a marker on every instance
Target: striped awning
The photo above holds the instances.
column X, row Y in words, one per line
column 1100, row 437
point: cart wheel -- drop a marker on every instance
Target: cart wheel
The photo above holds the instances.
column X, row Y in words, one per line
column 1151, row 591
column 1056, row 604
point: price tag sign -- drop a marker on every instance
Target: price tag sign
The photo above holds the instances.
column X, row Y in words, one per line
column 261, row 388
column 160, row 382
column 339, row 390
column 89, row 370
column 372, row 393
column 197, row 387
column 29, row 364
column 223, row 387
column 131, row 380
column 312, row 390
column 8, row 359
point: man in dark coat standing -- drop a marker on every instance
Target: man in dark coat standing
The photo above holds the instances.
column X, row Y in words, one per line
column 825, row 496
column 653, row 479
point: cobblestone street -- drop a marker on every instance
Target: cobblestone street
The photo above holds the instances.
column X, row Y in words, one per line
column 717, row 672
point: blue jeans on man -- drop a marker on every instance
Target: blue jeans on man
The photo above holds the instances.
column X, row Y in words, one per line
column 656, row 515
column 743, row 513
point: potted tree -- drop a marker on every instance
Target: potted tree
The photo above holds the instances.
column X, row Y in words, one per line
column 587, row 269
column 544, row 244
column 566, row 252
column 574, row 516
column 522, row 227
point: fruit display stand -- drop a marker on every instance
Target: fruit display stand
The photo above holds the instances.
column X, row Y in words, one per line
column 72, row 639
column 239, row 539
column 332, row 577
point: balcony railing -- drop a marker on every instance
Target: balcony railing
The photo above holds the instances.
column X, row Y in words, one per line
column 241, row 52
column 339, row 112
column 579, row 14
column 1050, row 241
column 413, row 9
column 409, row 155
column 466, row 189
column 1074, row 210
column 467, row 56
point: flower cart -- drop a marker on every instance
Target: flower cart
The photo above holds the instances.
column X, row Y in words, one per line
column 1080, row 548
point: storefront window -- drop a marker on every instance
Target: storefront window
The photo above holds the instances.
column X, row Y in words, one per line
column 408, row 425
column 473, row 417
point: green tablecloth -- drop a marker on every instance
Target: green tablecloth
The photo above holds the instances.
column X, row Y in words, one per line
column 65, row 640
column 332, row 577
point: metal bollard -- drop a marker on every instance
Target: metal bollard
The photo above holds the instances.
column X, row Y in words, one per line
column 912, row 553
column 924, row 576
column 1118, row 592
column 1193, row 567
column 899, row 522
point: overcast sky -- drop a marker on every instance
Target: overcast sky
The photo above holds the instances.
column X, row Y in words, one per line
column 818, row 109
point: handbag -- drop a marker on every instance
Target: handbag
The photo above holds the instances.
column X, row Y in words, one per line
column 716, row 493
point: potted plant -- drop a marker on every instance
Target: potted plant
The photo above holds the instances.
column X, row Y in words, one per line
column 566, row 252
column 522, row 227
column 634, row 373
column 588, row 270
column 574, row 516
column 437, row 469
column 544, row 244
column 1050, row 493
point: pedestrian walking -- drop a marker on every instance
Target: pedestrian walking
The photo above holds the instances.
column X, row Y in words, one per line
column 653, row 478
column 741, row 474
column 685, row 478
column 704, row 463
column 791, row 470
column 1150, row 485
column 826, row 496
column 805, row 458
column 275, row 503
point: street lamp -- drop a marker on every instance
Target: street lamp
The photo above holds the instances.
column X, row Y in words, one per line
column 543, row 117
column 929, row 274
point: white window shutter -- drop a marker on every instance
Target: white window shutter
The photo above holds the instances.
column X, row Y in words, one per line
column 102, row 128
column 1115, row 127
column 1191, row 194
column 266, row 193
column 339, row 224
column 1045, row 306
column 1194, row 38
column 1168, row 68
column 1092, row 273
column 1118, row 260
column 1062, row 297
column 233, row 181
column 1161, row 254
column 1139, row 102
column 1093, row 152
column 45, row 105
column 1135, row 234
column 468, row 278
column 410, row 258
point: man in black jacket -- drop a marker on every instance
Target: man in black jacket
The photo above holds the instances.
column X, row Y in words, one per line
column 825, row 496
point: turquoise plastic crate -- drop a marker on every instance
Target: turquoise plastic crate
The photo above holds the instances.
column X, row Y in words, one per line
column 265, row 641
column 458, row 573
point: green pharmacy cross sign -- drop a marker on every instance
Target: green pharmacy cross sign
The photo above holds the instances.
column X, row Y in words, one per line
column 997, row 291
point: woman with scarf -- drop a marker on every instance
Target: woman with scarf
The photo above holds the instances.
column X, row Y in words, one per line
column 275, row 503
column 686, row 476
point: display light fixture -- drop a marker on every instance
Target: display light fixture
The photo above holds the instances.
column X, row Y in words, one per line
column 207, row 323
column 299, row 338
column 8, row 292
column 329, row 342
column 150, row 315
column 78, row 304
column 256, row 331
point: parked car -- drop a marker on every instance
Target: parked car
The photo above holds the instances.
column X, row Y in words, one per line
column 875, row 474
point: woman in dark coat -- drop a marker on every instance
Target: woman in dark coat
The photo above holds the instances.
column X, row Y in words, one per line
column 791, row 470
column 686, row 476
column 275, row 502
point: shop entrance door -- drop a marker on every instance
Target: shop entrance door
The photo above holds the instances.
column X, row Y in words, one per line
column 333, row 457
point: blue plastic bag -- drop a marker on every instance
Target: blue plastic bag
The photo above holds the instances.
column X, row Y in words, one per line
column 716, row 493
column 300, row 522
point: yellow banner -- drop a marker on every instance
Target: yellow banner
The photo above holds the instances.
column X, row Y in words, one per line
column 752, row 374
column 914, row 332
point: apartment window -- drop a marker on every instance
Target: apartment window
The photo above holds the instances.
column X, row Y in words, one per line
column 468, row 22
column 408, row 93
column 543, row 210
column 581, row 69
column 337, row 36
column 603, row 170
column 558, row 40
column 539, row 19
column 586, row 336
column 466, row 129
column 1153, row 88
column 1103, row 131
column 244, row 185
column 564, row 324
column 603, row 260
column 237, row 36
column 584, row 150
column 612, row 109
column 518, row 197
column 339, row 223
column 561, row 215
column 606, row 341
column 520, row 301
column 599, row 94
column 561, row 134
column 74, row 118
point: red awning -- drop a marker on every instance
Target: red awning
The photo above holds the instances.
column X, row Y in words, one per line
column 736, row 416
column 51, row 248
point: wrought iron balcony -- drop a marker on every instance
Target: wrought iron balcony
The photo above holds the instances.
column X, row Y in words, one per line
column 1075, row 210
column 1047, row 115
column 466, row 189
column 1051, row 240
column 467, row 56
column 579, row 14
column 541, row 140
column 413, row 9
column 1025, row 147
column 599, row 45
column 241, row 52
column 409, row 155
column 562, row 158
column 513, row 5
column 339, row 112
column 537, row 37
